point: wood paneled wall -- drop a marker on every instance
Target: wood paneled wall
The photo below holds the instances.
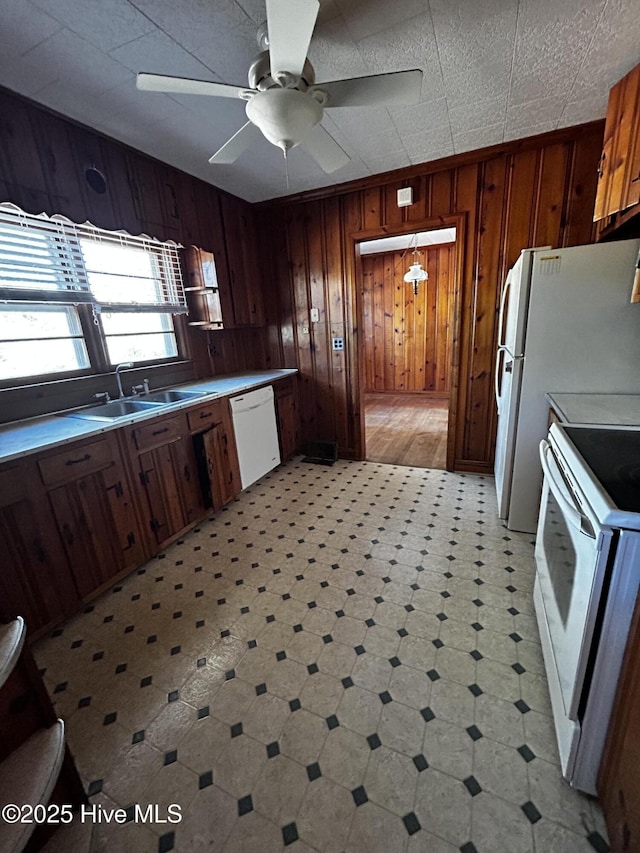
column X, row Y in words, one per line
column 407, row 337
column 538, row 191
column 43, row 160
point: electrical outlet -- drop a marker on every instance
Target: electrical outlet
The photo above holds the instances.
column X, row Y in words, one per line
column 337, row 344
column 315, row 315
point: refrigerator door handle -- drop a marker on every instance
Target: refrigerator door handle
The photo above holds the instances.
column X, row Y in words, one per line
column 503, row 302
column 496, row 377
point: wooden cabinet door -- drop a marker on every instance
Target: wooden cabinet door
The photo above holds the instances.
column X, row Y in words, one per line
column 221, row 474
column 619, row 779
column 98, row 535
column 170, row 478
column 619, row 166
column 35, row 581
column 287, row 415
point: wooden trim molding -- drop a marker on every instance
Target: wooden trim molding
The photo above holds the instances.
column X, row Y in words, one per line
column 453, row 161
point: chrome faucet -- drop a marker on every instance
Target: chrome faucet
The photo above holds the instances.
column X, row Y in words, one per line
column 119, row 378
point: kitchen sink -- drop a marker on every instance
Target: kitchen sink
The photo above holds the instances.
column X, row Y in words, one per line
column 115, row 409
column 170, row 396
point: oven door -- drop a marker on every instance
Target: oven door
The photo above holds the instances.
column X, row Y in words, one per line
column 571, row 559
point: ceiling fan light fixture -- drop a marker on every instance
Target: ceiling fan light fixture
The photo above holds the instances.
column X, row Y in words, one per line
column 285, row 116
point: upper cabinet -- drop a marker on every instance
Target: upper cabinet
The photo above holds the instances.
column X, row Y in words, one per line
column 619, row 166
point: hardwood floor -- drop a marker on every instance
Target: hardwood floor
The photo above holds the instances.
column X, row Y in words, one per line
column 406, row 429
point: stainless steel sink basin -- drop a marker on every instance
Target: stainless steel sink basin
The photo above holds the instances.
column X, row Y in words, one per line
column 170, row 396
column 115, row 409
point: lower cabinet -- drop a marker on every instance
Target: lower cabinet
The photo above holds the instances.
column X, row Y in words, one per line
column 163, row 454
column 215, row 447
column 35, row 581
column 89, row 497
column 73, row 519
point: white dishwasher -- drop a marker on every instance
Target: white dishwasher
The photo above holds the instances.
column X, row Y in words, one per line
column 254, row 425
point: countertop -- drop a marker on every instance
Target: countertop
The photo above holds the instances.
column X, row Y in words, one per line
column 20, row 438
column 610, row 409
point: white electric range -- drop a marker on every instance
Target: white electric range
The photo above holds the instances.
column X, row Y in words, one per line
column 587, row 580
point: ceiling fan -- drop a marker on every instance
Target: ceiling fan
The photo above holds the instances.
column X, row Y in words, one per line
column 283, row 101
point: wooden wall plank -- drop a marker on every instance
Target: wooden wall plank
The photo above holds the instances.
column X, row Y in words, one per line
column 406, row 337
column 551, row 195
column 43, row 161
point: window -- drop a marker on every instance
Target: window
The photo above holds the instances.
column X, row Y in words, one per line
column 78, row 299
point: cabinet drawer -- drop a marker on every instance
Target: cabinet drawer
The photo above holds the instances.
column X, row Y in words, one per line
column 74, row 462
column 157, row 432
column 204, row 416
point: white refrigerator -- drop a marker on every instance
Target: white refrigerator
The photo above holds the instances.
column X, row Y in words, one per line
column 566, row 324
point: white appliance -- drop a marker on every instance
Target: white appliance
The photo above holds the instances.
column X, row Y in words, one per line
column 566, row 324
column 587, row 580
column 254, row 425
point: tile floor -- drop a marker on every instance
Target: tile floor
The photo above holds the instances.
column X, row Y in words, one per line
column 344, row 659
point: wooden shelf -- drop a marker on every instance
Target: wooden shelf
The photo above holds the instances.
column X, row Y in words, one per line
column 28, row 775
column 11, row 642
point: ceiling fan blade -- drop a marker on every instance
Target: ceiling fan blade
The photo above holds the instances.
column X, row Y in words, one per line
column 290, row 26
column 185, row 86
column 238, row 143
column 325, row 150
column 399, row 87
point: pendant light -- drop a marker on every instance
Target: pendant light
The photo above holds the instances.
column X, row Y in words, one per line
column 416, row 273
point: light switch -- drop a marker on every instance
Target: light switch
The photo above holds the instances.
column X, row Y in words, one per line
column 337, row 343
column 315, row 315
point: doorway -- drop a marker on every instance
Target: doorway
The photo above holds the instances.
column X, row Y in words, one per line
column 406, row 345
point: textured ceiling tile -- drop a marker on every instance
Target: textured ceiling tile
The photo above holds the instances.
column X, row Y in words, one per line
column 528, row 130
column 22, row 27
column 406, row 45
column 192, row 23
column 363, row 18
column 394, row 160
column 229, row 54
column 158, row 54
column 411, row 119
column 28, row 78
column 430, row 144
column 357, row 123
column 334, row 54
column 87, row 71
column 587, row 109
column 545, row 111
column 476, row 115
column 379, row 144
column 488, row 135
column 551, row 44
column 475, row 43
column 110, row 24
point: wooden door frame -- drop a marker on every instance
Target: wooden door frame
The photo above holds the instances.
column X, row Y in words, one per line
column 457, row 221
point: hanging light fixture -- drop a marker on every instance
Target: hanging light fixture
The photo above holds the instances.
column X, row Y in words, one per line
column 416, row 273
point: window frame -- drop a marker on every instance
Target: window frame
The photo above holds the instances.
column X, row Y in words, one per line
column 166, row 256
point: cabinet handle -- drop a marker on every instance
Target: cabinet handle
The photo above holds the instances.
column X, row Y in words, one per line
column 205, row 415
column 160, row 431
column 601, row 164
column 68, row 535
column 85, row 458
column 187, row 473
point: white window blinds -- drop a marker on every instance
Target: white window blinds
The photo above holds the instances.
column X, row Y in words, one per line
column 51, row 259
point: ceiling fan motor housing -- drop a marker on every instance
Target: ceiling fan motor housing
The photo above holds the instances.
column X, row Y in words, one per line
column 285, row 116
column 260, row 73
